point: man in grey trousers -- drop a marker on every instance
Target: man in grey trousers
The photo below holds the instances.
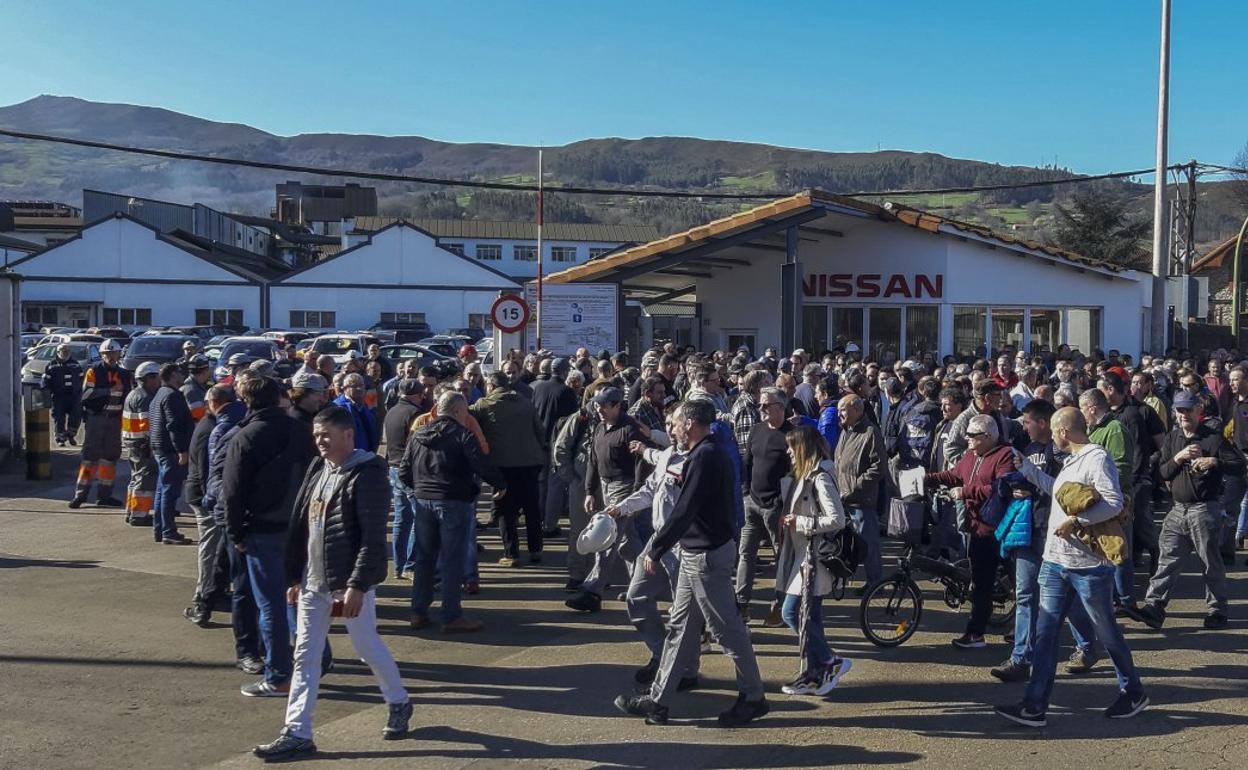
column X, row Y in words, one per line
column 702, row 523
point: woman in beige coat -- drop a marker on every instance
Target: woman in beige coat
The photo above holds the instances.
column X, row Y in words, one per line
column 812, row 508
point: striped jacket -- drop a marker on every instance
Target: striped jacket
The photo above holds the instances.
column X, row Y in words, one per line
column 195, row 395
column 134, row 432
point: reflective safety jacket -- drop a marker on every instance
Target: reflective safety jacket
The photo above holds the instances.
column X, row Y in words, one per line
column 104, row 388
column 134, row 432
column 196, row 395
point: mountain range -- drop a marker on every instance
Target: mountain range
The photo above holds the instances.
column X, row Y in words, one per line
column 37, row 170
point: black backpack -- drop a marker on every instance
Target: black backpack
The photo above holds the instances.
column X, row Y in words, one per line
column 839, row 552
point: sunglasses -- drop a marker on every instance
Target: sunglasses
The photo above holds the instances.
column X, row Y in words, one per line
column 771, row 404
column 975, row 435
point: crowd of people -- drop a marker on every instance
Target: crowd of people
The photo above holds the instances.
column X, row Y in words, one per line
column 1054, row 464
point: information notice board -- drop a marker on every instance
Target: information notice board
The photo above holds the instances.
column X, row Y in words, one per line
column 574, row 315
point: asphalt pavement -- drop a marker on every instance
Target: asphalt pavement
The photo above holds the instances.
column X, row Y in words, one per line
column 98, row 669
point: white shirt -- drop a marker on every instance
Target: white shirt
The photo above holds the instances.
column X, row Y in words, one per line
column 1094, row 467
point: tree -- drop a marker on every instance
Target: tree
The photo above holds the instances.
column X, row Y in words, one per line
column 1095, row 225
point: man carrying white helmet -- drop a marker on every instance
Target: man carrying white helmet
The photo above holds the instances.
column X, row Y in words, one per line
column 104, row 389
column 136, row 439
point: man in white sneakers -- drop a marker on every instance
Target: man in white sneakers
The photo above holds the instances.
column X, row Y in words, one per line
column 335, row 556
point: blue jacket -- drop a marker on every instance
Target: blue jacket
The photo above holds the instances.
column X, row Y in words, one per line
column 724, row 437
column 367, row 437
column 227, row 421
column 1015, row 529
column 828, row 425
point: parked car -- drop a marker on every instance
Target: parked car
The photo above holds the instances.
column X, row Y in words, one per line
column 287, row 337
column 159, row 348
column 446, row 344
column 111, row 332
column 471, row 332
column 339, row 344
column 253, row 347
column 303, row 346
column 59, row 337
column 425, row 357
column 398, row 334
column 28, row 343
column 87, row 354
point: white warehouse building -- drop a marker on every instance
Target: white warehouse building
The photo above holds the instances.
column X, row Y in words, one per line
column 822, row 271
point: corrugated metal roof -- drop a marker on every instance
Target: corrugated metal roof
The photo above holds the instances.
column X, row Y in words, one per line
column 515, row 230
column 17, row 244
column 1216, row 257
column 794, row 204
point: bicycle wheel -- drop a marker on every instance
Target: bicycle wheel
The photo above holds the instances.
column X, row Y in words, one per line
column 889, row 613
column 1003, row 601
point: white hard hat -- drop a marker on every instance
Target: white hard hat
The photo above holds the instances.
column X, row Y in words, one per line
column 110, row 345
column 147, row 369
column 598, row 535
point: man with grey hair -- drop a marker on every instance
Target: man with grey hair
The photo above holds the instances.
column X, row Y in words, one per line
column 440, row 466
column 972, row 480
column 860, row 466
column 367, row 436
column 767, row 481
column 811, row 375
column 553, row 401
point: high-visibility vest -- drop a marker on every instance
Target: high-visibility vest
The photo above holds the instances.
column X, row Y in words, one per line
column 134, row 417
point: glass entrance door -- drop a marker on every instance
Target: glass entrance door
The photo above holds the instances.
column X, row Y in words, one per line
column 884, row 330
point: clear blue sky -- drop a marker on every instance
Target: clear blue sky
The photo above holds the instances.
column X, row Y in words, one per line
column 1009, row 82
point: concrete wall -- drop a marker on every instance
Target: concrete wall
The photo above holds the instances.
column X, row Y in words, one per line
column 10, row 366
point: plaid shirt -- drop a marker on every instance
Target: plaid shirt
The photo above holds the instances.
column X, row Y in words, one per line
column 745, row 415
column 645, row 413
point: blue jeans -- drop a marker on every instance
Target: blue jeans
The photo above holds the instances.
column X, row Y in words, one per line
column 169, row 478
column 1060, row 590
column 243, row 616
column 867, row 524
column 1241, row 530
column 266, row 565
column 1027, row 603
column 403, row 533
column 817, row 652
column 441, row 541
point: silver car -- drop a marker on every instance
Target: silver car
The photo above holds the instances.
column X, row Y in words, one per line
column 87, row 354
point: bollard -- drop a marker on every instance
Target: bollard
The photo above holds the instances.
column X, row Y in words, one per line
column 38, row 444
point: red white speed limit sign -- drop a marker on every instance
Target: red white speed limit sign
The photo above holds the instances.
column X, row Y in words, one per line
column 510, row 313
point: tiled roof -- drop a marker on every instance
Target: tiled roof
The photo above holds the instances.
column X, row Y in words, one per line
column 517, row 230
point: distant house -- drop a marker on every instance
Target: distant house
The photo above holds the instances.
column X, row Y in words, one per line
column 511, row 246
column 1216, row 265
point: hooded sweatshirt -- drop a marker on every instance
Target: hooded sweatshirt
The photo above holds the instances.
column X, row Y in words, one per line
column 324, row 489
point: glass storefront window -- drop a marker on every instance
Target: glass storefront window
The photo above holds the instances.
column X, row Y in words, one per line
column 968, row 330
column 846, row 326
column 814, row 328
column 1007, row 328
column 885, row 331
column 1085, row 329
column 922, row 328
column 1046, row 330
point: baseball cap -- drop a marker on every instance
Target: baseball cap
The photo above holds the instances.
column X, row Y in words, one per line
column 147, row 369
column 1185, row 400
column 198, row 362
column 308, row 381
column 608, row 395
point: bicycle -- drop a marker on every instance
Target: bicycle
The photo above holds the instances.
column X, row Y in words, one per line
column 890, row 611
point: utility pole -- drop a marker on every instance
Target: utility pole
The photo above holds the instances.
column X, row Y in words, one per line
column 1157, row 342
column 541, row 216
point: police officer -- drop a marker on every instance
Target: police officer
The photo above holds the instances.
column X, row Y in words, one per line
column 105, row 385
column 198, row 380
column 135, row 436
column 63, row 380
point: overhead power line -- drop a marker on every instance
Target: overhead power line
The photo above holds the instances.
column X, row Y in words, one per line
column 511, row 187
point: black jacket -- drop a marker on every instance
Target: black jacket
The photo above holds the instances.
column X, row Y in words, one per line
column 441, row 459
column 552, row 400
column 197, row 468
column 264, row 464
column 703, row 517
column 397, row 428
column 169, row 422
column 609, row 458
column 1187, row 485
column 355, row 527
column 63, row 379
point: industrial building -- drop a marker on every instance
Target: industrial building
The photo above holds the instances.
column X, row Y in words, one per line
column 822, row 271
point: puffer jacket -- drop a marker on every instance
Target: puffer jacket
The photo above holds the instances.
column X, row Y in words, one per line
column 264, row 463
column 512, row 429
column 815, row 501
column 169, row 422
column 356, row 518
column 441, row 461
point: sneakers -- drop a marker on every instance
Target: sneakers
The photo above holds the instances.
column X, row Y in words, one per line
column 969, row 641
column 743, row 712
column 110, row 502
column 773, row 619
column 250, row 664
column 1012, row 671
column 832, row 674
column 646, row 674
column 1215, row 620
column 1150, row 615
column 177, row 538
column 285, row 747
column 397, row 723
column 77, row 502
column 805, row 684
column 1127, row 706
column 72, row 441
column 139, row 521
column 1080, row 662
column 584, row 602
column 1021, row 715
column 507, row 562
column 418, row 622
column 462, row 625
column 264, row 689
column 642, row 706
